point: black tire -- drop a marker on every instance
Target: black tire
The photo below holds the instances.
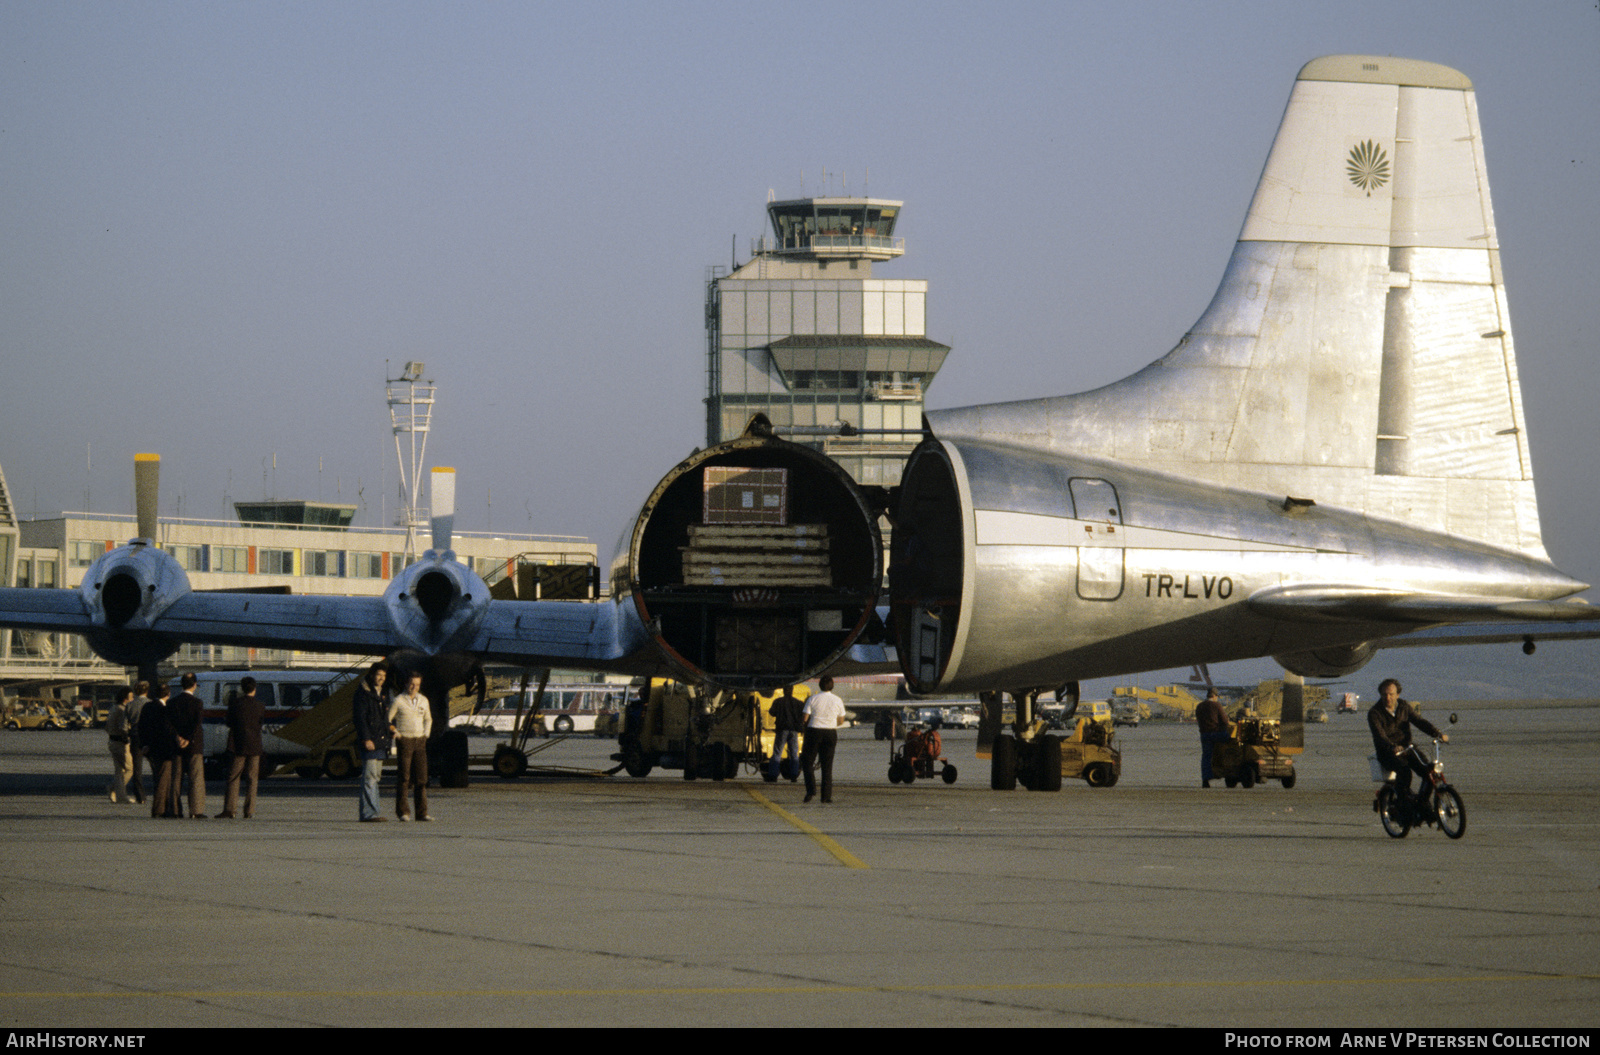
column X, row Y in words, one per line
column 1097, row 775
column 1111, row 776
column 719, row 762
column 691, row 760
column 338, row 765
column 1287, row 780
column 308, row 772
column 1452, row 813
column 1392, row 812
column 509, row 763
column 949, row 774
column 1003, row 764
column 563, row 724
column 1049, row 764
column 1247, row 776
column 1231, row 782
column 634, row 764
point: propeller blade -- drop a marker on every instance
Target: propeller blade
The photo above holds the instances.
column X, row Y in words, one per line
column 442, row 500
column 146, row 491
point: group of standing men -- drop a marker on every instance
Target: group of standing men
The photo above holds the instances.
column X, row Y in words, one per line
column 145, row 726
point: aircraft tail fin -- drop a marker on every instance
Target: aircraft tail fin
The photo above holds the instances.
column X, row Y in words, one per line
column 1358, row 352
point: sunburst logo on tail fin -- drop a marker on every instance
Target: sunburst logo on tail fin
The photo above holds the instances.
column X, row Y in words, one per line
column 1368, row 166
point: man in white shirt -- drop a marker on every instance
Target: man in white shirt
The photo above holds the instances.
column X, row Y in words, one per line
column 823, row 715
column 411, row 721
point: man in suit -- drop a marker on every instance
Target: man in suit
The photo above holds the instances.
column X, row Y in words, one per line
column 245, row 713
column 160, row 746
column 187, row 716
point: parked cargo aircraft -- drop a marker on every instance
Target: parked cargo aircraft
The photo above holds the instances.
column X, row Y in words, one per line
column 1334, row 460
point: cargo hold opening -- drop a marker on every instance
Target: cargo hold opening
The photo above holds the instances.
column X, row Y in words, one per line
column 758, row 562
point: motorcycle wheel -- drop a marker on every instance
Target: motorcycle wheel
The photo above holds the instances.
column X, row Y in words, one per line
column 1392, row 811
column 1452, row 814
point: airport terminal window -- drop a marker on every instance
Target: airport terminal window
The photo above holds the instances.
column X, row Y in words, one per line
column 233, row 559
column 189, row 558
column 366, row 565
column 319, row 562
column 46, row 573
column 275, row 561
column 81, row 553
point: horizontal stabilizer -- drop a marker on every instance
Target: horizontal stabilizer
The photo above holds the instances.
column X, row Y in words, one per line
column 1313, row 603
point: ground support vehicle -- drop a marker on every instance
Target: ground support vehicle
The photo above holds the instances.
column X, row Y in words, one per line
column 1254, row 754
column 922, row 751
column 1436, row 803
column 1089, row 754
column 705, row 733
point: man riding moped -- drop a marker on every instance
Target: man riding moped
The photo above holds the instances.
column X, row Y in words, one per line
column 1390, row 721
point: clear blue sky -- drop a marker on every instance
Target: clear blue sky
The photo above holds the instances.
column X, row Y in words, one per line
column 219, row 220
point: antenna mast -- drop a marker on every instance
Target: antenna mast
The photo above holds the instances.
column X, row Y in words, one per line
column 410, row 413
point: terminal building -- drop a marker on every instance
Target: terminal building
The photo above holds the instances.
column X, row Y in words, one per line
column 804, row 334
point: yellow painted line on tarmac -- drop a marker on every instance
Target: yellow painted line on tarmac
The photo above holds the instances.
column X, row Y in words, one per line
column 758, row 990
column 846, row 858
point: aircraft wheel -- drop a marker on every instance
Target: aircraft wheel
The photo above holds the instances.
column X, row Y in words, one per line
column 1050, row 764
column 1003, row 764
column 949, row 774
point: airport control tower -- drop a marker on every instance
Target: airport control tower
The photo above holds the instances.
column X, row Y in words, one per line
column 804, row 334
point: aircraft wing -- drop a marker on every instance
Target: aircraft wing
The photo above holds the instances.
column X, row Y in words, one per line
column 311, row 623
column 44, row 609
column 555, row 633
column 1365, row 604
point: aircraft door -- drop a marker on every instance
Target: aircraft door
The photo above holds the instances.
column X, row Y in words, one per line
column 1100, row 560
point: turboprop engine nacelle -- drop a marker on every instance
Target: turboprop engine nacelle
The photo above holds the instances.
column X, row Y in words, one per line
column 125, row 591
column 754, row 563
column 1333, row 662
column 437, row 604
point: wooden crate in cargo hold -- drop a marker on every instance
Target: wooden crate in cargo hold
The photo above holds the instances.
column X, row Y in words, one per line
column 738, row 495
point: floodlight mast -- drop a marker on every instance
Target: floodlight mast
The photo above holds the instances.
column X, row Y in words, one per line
column 410, row 413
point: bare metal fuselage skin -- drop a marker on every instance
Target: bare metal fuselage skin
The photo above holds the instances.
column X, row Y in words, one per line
column 1073, row 568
